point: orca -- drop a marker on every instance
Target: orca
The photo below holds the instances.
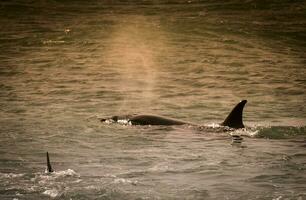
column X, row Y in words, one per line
column 233, row 120
column 49, row 168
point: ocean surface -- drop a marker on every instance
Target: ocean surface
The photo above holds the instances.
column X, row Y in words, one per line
column 66, row 64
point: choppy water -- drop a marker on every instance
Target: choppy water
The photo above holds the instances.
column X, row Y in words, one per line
column 64, row 64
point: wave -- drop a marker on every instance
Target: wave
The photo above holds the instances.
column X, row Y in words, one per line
column 280, row 132
column 271, row 132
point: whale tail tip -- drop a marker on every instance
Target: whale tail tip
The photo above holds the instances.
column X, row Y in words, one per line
column 49, row 168
column 234, row 119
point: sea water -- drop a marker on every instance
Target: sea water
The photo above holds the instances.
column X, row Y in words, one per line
column 65, row 64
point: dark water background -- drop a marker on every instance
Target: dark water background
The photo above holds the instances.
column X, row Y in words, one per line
column 64, row 64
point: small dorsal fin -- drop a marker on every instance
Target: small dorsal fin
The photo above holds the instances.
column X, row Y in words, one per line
column 49, row 168
column 234, row 119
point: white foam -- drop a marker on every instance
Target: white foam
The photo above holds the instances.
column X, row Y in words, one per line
column 124, row 122
column 10, row 175
column 125, row 181
column 52, row 193
column 277, row 198
column 43, row 178
column 109, row 121
column 109, row 176
column 68, row 172
column 18, row 194
column 244, row 132
column 213, row 125
column 159, row 168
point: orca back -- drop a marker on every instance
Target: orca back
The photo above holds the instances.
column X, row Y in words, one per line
column 155, row 120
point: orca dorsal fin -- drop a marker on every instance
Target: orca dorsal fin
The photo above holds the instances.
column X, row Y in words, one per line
column 49, row 168
column 234, row 119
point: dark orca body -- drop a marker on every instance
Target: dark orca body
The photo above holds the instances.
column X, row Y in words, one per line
column 233, row 120
column 155, row 120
